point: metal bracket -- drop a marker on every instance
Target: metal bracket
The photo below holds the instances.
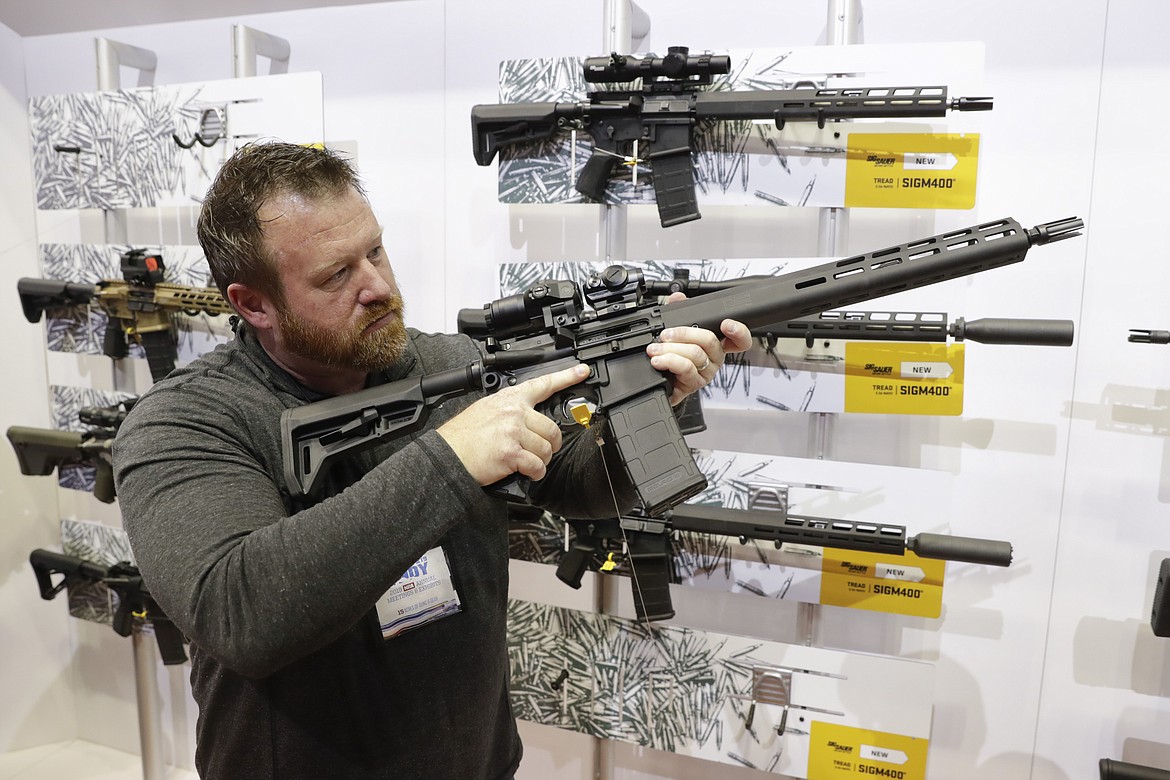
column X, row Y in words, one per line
column 773, row 685
column 249, row 43
column 112, row 56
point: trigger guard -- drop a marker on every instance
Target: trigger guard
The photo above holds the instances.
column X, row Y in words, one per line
column 556, row 408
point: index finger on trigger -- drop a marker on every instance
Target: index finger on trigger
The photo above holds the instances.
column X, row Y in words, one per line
column 540, row 388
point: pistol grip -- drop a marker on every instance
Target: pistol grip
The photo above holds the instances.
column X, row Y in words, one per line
column 114, row 339
column 170, row 641
column 574, row 563
column 103, row 481
column 595, row 175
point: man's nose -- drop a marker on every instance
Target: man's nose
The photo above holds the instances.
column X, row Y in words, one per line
column 375, row 286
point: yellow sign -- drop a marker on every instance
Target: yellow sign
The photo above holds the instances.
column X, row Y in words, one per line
column 903, row 378
column 839, row 752
column 900, row 584
column 911, row 170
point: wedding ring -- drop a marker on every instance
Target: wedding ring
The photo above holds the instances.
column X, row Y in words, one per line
column 705, row 365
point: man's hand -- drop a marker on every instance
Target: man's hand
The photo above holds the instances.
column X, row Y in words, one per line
column 503, row 433
column 695, row 355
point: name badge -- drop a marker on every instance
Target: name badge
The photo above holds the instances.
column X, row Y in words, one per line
column 423, row 594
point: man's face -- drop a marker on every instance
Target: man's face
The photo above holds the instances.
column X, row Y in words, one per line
column 341, row 307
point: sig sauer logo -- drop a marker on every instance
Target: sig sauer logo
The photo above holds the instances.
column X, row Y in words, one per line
column 854, row 568
column 839, row 748
column 879, row 161
column 877, row 370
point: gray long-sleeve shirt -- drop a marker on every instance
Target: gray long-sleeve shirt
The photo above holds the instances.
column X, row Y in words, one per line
column 289, row 668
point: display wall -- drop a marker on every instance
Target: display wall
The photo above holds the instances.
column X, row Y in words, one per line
column 1039, row 669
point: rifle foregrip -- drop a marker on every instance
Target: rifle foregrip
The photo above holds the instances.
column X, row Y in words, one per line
column 595, row 176
column 656, row 456
column 961, row 548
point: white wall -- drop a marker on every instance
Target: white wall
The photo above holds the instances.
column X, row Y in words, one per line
column 1046, row 455
column 35, row 636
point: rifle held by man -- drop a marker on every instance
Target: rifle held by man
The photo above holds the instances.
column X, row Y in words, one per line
column 547, row 328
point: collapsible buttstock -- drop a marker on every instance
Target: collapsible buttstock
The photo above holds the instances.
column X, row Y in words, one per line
column 494, row 126
column 45, row 563
column 41, row 450
column 37, row 295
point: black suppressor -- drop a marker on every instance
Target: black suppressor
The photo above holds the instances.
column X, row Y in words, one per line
column 999, row 330
column 1119, row 770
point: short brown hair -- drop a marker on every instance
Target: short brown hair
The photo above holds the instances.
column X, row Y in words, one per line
column 231, row 234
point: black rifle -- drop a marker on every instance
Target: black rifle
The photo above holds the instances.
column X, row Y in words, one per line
column 662, row 115
column 547, row 328
column 138, row 306
column 640, row 545
column 135, row 604
column 40, row 451
column 1120, row 770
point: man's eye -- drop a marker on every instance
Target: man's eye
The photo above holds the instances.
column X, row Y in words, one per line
column 338, row 276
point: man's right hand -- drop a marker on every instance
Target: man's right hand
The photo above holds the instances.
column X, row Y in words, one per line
column 503, row 433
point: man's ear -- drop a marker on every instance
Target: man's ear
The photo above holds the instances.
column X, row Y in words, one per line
column 256, row 308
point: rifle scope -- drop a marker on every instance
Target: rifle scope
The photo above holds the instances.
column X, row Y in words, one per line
column 677, row 65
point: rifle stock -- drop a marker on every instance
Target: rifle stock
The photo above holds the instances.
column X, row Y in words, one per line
column 40, row 451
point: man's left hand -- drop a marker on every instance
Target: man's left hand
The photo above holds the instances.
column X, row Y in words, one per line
column 695, row 355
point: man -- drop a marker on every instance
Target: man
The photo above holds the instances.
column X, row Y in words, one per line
column 277, row 596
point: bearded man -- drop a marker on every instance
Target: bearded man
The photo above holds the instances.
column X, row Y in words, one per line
column 292, row 667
